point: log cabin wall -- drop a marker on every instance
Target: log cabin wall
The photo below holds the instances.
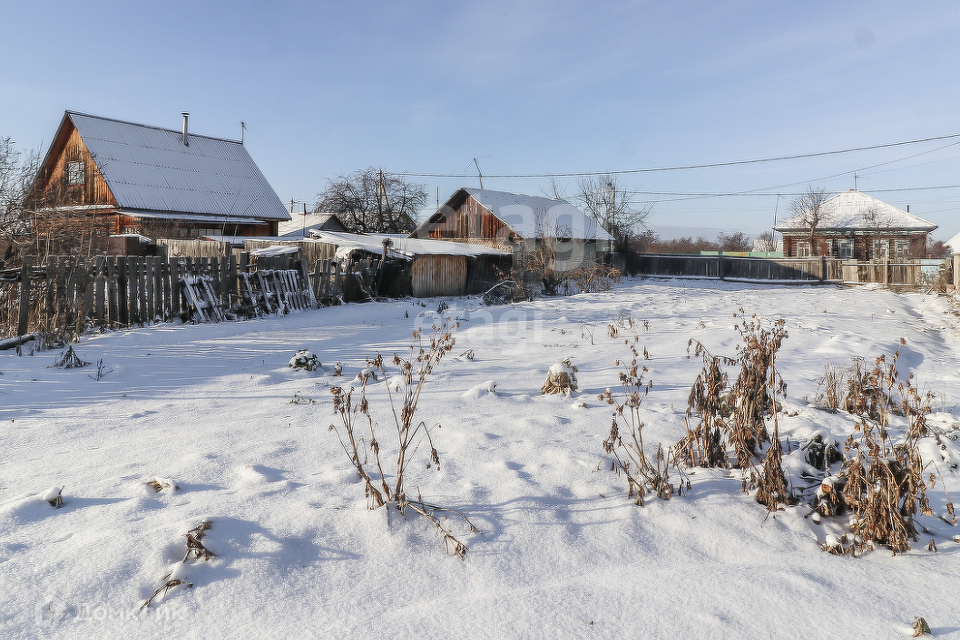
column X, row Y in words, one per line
column 63, row 182
column 864, row 244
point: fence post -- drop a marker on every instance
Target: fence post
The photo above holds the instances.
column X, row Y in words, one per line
column 24, row 320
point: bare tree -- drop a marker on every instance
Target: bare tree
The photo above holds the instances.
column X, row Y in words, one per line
column 373, row 201
column 16, row 177
column 938, row 248
column 809, row 207
column 734, row 241
column 605, row 199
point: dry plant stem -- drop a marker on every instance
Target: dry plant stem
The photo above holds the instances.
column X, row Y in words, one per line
column 732, row 418
column 624, row 444
column 194, row 548
column 884, row 483
column 410, row 433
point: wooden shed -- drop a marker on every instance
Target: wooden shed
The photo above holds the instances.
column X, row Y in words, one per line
column 438, row 268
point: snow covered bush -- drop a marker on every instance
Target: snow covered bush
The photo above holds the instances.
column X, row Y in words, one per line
column 561, row 378
column 304, row 359
column 53, row 496
column 357, row 431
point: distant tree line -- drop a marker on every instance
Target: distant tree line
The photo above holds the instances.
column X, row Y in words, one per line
column 650, row 241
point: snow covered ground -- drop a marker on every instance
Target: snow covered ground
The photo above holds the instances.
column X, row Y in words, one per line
column 562, row 553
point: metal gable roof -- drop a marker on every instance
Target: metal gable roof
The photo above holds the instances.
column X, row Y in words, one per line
column 150, row 169
column 854, row 210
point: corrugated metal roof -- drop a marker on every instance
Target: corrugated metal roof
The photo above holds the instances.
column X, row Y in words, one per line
column 855, row 210
column 150, row 169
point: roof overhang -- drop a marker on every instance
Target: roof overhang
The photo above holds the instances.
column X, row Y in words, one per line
column 188, row 217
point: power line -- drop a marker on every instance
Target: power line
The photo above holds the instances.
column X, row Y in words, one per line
column 711, row 165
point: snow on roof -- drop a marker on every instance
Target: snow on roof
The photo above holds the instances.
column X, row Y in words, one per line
column 302, row 223
column 149, row 169
column 954, row 243
column 527, row 215
column 275, row 250
column 409, row 247
column 854, row 209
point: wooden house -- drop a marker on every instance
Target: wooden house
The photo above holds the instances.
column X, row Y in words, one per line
column 519, row 224
column 103, row 177
column 852, row 225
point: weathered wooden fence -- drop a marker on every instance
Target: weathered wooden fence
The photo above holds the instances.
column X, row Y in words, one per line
column 908, row 273
column 70, row 295
column 808, row 270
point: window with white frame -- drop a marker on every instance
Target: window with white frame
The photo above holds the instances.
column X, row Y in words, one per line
column 845, row 249
column 75, row 173
column 901, row 249
column 803, row 249
column 881, row 249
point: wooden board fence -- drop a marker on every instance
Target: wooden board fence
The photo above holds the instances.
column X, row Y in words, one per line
column 69, row 295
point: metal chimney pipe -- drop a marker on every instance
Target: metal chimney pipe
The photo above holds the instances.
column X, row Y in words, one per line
column 186, row 139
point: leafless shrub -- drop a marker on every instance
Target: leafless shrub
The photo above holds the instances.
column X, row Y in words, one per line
column 592, row 278
column 624, row 444
column 68, row 359
column 101, row 371
column 358, row 437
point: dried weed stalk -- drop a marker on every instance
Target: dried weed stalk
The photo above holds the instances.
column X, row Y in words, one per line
column 195, row 551
column 882, row 482
column 705, row 445
column 732, row 418
column 624, row 445
column 357, row 432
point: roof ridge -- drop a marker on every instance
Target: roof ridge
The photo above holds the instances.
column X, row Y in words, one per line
column 149, row 126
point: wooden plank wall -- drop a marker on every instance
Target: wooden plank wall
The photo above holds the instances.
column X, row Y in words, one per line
column 439, row 275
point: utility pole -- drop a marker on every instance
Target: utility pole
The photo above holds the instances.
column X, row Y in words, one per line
column 613, row 205
column 478, row 172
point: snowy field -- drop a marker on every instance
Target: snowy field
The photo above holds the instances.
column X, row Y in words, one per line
column 562, row 552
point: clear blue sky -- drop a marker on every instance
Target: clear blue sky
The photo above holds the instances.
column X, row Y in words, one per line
column 526, row 88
